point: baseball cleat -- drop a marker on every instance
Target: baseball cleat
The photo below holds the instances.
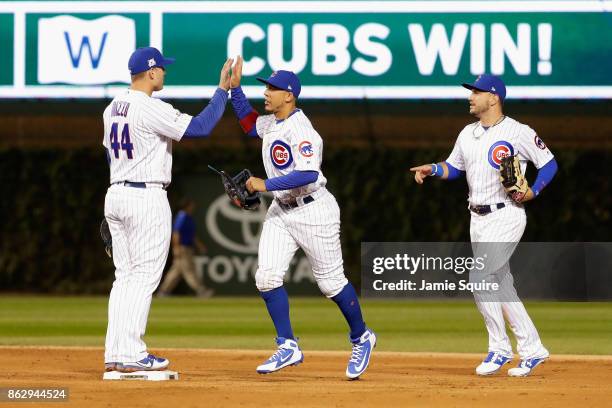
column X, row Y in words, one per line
column 288, row 354
column 110, row 367
column 149, row 363
column 360, row 356
column 492, row 363
column 525, row 367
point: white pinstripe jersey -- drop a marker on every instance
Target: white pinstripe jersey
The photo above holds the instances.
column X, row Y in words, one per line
column 478, row 152
column 291, row 144
column 138, row 133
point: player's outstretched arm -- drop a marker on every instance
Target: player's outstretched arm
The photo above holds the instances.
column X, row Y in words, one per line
column 247, row 116
column 443, row 170
column 295, row 179
column 203, row 124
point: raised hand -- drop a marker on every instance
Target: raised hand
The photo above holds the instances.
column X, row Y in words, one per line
column 236, row 73
column 224, row 81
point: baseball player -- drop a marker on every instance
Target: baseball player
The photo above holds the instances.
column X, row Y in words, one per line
column 497, row 215
column 303, row 214
column 184, row 244
column 138, row 135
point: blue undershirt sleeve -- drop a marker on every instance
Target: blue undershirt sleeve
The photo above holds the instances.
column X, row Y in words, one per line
column 294, row 179
column 203, row 124
column 545, row 175
column 247, row 116
column 453, row 173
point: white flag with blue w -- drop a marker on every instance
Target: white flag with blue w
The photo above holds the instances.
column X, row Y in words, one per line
column 85, row 52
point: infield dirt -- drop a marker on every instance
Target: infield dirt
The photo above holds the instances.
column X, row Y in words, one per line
column 227, row 378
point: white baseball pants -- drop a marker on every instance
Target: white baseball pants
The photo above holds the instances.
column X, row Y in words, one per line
column 140, row 224
column 505, row 228
column 314, row 227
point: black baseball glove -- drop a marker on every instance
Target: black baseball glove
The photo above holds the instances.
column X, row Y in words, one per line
column 235, row 187
column 106, row 238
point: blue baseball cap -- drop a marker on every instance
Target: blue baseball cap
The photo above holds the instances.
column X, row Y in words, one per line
column 285, row 80
column 146, row 58
column 488, row 83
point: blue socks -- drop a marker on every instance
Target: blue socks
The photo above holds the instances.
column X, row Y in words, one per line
column 349, row 305
column 277, row 303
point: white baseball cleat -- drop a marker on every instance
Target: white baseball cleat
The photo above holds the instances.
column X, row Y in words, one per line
column 288, row 354
column 492, row 363
column 149, row 363
column 360, row 356
column 525, row 367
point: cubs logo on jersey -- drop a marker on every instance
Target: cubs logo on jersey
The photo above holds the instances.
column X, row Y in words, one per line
column 305, row 149
column 280, row 153
column 497, row 151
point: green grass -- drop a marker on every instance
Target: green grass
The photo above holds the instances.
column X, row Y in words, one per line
column 576, row 328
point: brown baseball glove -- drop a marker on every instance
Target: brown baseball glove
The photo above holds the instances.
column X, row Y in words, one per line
column 512, row 178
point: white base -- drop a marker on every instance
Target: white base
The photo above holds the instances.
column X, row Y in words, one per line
column 142, row 375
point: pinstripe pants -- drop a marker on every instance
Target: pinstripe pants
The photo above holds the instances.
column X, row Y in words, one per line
column 497, row 234
column 140, row 224
column 314, row 227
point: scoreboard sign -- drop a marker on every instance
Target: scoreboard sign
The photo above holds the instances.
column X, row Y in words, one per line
column 340, row 49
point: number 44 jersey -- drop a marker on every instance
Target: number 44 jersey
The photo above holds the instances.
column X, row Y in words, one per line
column 138, row 134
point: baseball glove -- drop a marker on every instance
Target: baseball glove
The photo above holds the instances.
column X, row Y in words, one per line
column 235, row 187
column 512, row 178
column 106, row 238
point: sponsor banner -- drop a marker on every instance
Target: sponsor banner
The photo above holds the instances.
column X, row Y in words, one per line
column 232, row 239
column 340, row 49
column 489, row 271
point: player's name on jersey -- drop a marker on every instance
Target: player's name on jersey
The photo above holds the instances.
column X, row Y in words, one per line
column 120, row 108
column 422, row 285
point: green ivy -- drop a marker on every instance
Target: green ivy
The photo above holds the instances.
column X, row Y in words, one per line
column 52, row 205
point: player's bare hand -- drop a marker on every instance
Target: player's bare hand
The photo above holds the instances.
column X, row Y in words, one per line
column 420, row 172
column 236, row 73
column 224, row 81
column 255, row 184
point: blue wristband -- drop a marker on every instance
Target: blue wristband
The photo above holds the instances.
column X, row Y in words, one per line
column 437, row 170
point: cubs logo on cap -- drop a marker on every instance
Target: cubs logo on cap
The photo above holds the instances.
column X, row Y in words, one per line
column 280, row 153
column 497, row 151
column 306, row 149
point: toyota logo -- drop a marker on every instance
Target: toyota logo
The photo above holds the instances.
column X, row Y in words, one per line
column 250, row 223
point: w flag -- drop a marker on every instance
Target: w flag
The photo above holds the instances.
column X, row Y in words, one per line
column 85, row 52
